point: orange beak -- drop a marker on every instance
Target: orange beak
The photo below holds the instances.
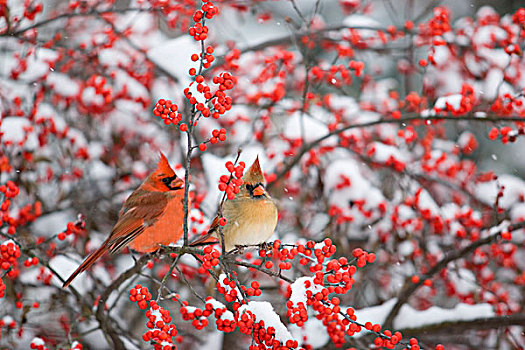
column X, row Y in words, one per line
column 177, row 183
column 258, row 191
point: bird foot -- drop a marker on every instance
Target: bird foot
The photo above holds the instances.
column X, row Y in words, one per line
column 265, row 246
column 239, row 249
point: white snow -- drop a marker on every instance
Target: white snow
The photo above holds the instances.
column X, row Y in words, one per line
column 65, row 267
column 463, row 280
column 90, row 97
column 53, row 223
column 227, row 287
column 348, row 104
column 113, row 57
column 409, row 317
column 299, row 290
column 199, row 96
column 406, row 248
column 263, row 311
column 483, row 35
column 514, row 187
column 494, row 57
column 441, row 55
column 360, row 187
column 213, row 341
column 38, row 341
column 100, row 171
column 14, row 129
column 174, row 56
column 412, row 318
column 313, row 128
column 38, row 64
column 63, row 84
column 227, row 314
column 133, row 87
column 312, row 333
column 357, row 20
column 453, row 100
column 383, row 152
column 464, row 138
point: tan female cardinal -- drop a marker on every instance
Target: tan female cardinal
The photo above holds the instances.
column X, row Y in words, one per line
column 251, row 216
column 152, row 215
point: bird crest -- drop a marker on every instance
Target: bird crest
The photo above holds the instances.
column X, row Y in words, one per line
column 254, row 175
column 163, row 166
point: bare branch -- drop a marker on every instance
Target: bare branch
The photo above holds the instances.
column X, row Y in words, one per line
column 409, row 288
column 410, row 118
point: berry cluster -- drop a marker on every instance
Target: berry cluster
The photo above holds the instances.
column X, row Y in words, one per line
column 199, row 31
column 254, row 290
column 9, row 191
column 31, row 261
column 227, row 287
column 225, row 320
column 333, row 276
column 38, row 344
column 431, row 31
column 210, row 259
column 76, row 346
column 519, row 18
column 32, row 8
column 197, row 316
column 97, row 95
column 509, row 104
column 389, row 340
column 140, row 295
column 9, row 253
column 221, row 102
column 467, row 101
column 263, row 335
column 77, row 227
column 28, row 213
column 160, row 332
column 44, row 275
column 2, row 288
column 217, row 135
column 207, row 57
column 230, row 184
column 167, row 111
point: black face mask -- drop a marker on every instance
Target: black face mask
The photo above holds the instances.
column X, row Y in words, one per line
column 168, row 180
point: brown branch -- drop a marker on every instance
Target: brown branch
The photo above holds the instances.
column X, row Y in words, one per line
column 463, row 325
column 104, row 322
column 410, row 118
column 262, row 269
column 409, row 288
column 77, row 14
column 142, row 52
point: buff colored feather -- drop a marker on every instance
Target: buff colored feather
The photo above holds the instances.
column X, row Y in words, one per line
column 250, row 219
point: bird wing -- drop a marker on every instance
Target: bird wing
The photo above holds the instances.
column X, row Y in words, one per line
column 142, row 209
column 207, row 237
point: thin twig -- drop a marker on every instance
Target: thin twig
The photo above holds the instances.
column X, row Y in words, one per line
column 409, row 288
column 78, row 14
column 410, row 118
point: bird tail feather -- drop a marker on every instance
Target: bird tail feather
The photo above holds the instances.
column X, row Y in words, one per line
column 204, row 240
column 90, row 260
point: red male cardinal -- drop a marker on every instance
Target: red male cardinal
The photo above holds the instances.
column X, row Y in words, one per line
column 152, row 215
column 251, row 216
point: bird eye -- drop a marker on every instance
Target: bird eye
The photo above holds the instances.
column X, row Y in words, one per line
column 166, row 180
